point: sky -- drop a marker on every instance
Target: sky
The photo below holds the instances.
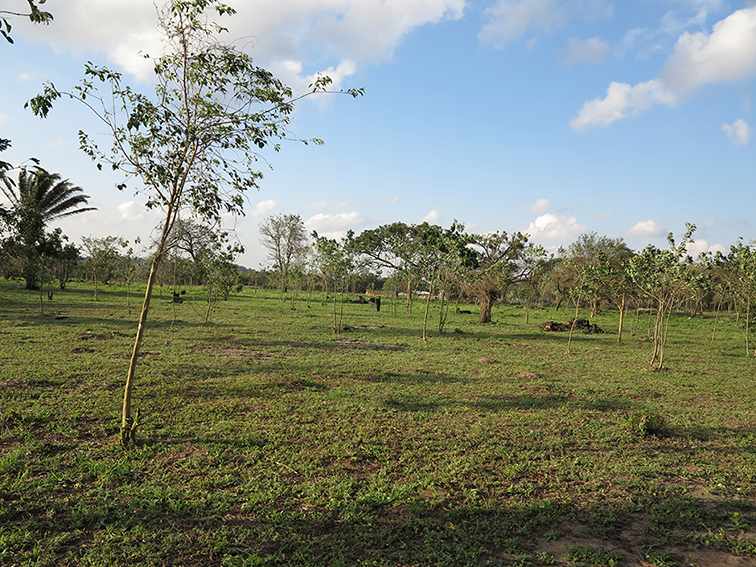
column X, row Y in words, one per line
column 553, row 117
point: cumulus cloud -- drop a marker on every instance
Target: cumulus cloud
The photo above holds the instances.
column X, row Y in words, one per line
column 698, row 247
column 541, row 206
column 263, row 207
column 335, row 225
column 646, row 228
column 592, row 51
column 554, row 227
column 292, row 34
column 431, row 216
column 739, row 132
column 727, row 54
column 510, row 20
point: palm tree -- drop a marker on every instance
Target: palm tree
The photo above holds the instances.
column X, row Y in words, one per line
column 39, row 198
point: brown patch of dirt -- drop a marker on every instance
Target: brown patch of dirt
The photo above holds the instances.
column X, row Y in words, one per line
column 710, row 558
column 357, row 468
column 527, row 376
column 487, row 360
column 181, row 453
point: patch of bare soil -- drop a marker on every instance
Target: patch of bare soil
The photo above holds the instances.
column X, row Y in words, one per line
column 630, row 544
column 187, row 451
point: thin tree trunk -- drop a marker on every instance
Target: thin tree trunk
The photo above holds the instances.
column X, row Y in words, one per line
column 572, row 327
column 716, row 320
column 427, row 311
column 128, row 423
column 748, row 327
column 209, row 306
column 621, row 319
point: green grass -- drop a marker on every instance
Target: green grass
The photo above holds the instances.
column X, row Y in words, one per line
column 267, row 440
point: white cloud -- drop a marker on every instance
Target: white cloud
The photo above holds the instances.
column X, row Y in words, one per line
column 592, row 50
column 3, row 119
column 553, row 227
column 263, row 207
column 131, row 211
column 622, row 100
column 541, row 206
column 337, row 74
column 277, row 32
column 698, row 247
column 335, row 225
column 727, row 54
column 25, row 76
column 646, row 228
column 510, row 20
column 739, row 132
column 431, row 216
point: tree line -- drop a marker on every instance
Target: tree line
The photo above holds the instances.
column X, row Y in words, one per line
column 452, row 264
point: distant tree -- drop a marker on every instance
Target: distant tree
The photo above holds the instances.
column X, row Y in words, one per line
column 336, row 262
column 196, row 141
column 103, row 257
column 599, row 252
column 664, row 277
column 537, row 263
column 38, row 199
column 67, row 260
column 741, row 265
column 395, row 248
column 285, row 239
column 221, row 273
column 129, row 268
column 498, row 265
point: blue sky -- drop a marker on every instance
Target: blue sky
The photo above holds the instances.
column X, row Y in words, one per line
column 498, row 113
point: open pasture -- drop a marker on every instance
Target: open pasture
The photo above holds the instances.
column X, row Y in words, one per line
column 265, row 439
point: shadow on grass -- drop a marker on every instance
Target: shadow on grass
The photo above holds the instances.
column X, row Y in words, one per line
column 486, row 403
column 184, row 528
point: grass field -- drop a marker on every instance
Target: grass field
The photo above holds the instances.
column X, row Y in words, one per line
column 267, row 440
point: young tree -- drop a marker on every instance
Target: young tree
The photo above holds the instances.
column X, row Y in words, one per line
column 103, row 257
column 336, row 262
column 221, row 273
column 663, row 276
column 285, row 239
column 67, row 260
column 741, row 263
column 195, row 142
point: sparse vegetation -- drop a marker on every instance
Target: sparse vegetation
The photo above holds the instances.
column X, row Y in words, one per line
column 267, row 440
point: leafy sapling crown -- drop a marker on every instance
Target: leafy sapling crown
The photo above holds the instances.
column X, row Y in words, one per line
column 195, row 143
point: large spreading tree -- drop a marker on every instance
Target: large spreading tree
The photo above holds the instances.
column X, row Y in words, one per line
column 194, row 143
